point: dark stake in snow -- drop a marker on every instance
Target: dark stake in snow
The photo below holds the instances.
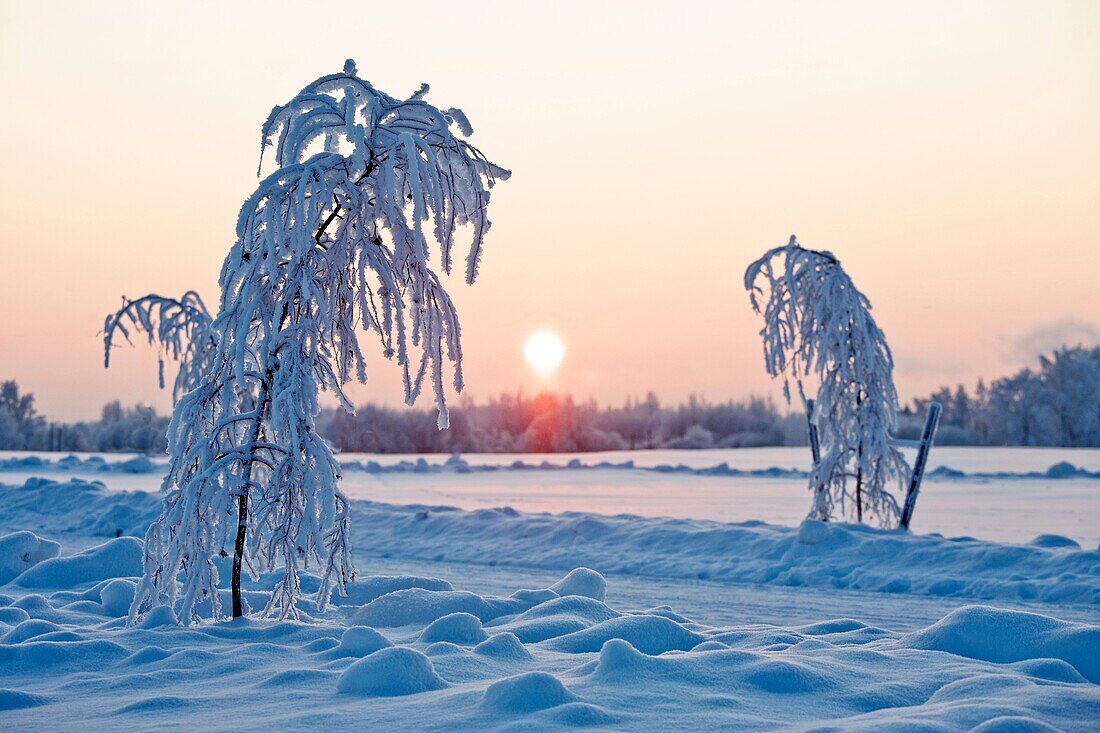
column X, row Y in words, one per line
column 928, row 435
column 336, row 240
column 818, row 327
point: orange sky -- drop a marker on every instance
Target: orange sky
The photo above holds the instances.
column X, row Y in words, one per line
column 948, row 153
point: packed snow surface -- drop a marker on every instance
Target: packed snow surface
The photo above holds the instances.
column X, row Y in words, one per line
column 555, row 622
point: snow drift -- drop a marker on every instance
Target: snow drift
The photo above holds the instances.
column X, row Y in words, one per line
column 71, row 661
column 816, row 554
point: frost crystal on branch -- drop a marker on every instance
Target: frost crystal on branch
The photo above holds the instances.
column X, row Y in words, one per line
column 818, row 326
column 179, row 329
column 335, row 241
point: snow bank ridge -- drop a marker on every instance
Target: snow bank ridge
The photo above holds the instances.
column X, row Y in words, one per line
column 457, row 464
column 1050, row 569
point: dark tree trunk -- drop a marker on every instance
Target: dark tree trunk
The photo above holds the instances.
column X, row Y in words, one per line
column 859, row 464
column 242, row 499
column 238, row 553
column 859, row 495
column 262, row 402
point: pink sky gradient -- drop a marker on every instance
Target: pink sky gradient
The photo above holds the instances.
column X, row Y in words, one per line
column 948, row 153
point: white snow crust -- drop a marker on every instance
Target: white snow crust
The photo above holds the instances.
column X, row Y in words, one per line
column 556, row 622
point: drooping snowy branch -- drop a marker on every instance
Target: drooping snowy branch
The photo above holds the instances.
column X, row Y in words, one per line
column 336, row 240
column 178, row 329
column 818, row 327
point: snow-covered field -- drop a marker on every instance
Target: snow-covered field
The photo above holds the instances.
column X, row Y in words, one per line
column 688, row 617
column 1003, row 494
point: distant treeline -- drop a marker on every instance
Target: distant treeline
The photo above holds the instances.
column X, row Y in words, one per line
column 119, row 428
column 1056, row 405
column 551, row 423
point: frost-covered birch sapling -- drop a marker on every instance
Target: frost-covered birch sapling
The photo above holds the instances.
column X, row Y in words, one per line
column 818, row 327
column 336, row 240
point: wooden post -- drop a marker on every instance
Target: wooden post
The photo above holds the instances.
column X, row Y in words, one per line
column 815, row 447
column 926, row 438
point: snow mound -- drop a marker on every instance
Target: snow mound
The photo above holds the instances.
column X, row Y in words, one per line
column 504, row 645
column 57, row 657
column 38, row 606
column 457, row 628
column 147, row 655
column 582, row 582
column 1013, row 724
column 139, row 464
column 582, row 608
column 1065, row 469
column 390, row 672
column 421, row 606
column 445, row 648
column 526, row 693
column 558, row 617
column 647, row 634
column 1054, row 670
column 534, row 631
column 159, row 617
column 360, row 641
column 11, row 615
column 782, row 676
column 981, row 686
column 20, row 551
column 534, row 597
column 17, row 700
column 116, row 596
column 832, row 626
column 1053, row 541
column 617, row 658
column 365, row 590
column 28, row 630
column 119, row 557
column 1002, row 636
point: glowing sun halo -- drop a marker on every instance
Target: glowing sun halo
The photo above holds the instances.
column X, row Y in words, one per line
column 544, row 351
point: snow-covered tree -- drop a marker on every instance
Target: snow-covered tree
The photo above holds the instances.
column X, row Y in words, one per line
column 818, row 328
column 180, row 330
column 1070, row 380
column 336, row 240
column 19, row 419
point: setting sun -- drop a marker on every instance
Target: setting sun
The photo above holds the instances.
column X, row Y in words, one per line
column 544, row 351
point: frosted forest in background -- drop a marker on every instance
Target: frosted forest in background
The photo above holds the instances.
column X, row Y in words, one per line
column 1054, row 404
